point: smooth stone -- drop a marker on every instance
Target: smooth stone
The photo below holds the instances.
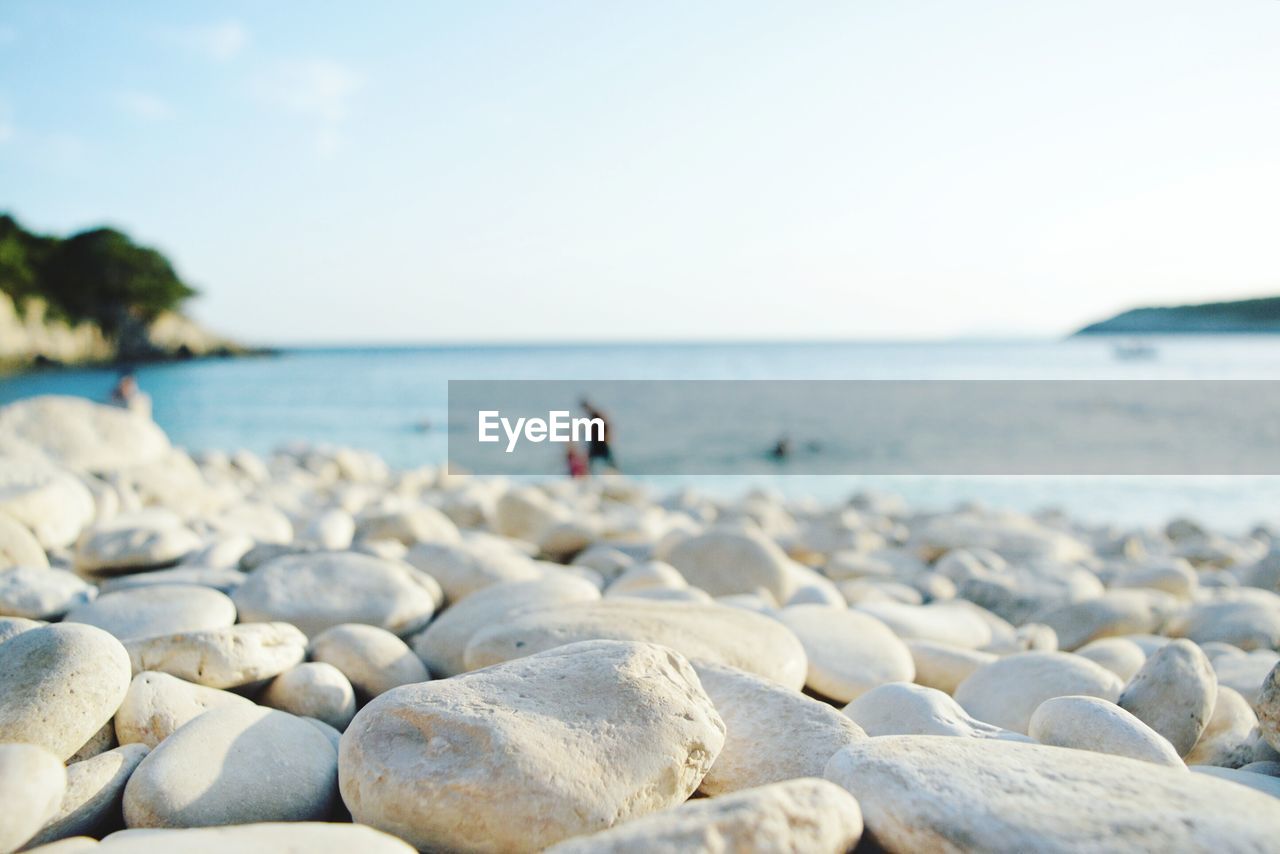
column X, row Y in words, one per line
column 1174, row 693
column 1270, row 767
column 42, row 506
column 419, row 524
column 725, row 561
column 14, row 626
column 222, row 580
column 32, row 782
column 222, row 658
column 1006, row 692
column 464, row 568
column 1229, row 739
column 59, row 684
column 1021, row 593
column 234, row 765
column 41, row 594
column 901, row 708
column 920, row 793
column 527, row 513
column 19, row 547
column 813, row 816
column 714, row 633
column 1175, row 577
column 313, row 690
column 1260, row 782
column 157, row 704
column 80, row 434
column 663, row 594
column 1246, row 673
column 442, row 645
column 1087, row 723
column 647, row 576
column 373, row 659
column 1269, row 708
column 148, row 539
column 944, row 667
column 945, row 622
column 333, row 529
column 1121, row 656
column 261, row 838
column 605, row 561
column 95, row 789
column 162, row 609
column 849, row 652
column 1114, row 613
column 1247, row 624
column 318, row 591
column 771, row 733
column 261, row 522
column 70, row 845
column 1014, row 537
column 563, row 743
column 100, row 742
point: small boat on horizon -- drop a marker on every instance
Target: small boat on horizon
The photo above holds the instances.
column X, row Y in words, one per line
column 1129, row 351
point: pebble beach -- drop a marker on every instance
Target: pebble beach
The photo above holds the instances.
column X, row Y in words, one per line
column 311, row 650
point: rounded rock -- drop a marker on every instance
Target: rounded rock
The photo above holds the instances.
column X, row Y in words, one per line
column 157, row 704
column 1007, row 692
column 901, row 708
column 943, row 666
column 1087, row 723
column 41, row 594
column 771, row 733
column 222, row 658
column 59, row 684
column 724, row 561
column 1121, row 656
column 374, row 660
column 1174, row 693
column 849, row 652
column 318, row 591
column 563, row 743
column 161, row 609
column 95, row 789
column 32, row 782
column 263, row 838
column 313, row 690
column 234, row 765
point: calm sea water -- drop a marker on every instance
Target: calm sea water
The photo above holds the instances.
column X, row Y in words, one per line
column 394, row 401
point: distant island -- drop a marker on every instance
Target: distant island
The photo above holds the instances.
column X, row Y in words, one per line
column 1239, row 316
column 93, row 297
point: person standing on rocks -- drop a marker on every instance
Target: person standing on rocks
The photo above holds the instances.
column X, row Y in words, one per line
column 127, row 395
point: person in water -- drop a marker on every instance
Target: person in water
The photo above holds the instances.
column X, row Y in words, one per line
column 599, row 449
column 576, row 463
column 127, row 395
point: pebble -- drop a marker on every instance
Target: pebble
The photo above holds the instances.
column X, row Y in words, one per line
column 1247, row 624
column 318, row 591
column 849, row 652
column 563, row 743
column 59, row 684
column 1121, row 656
column 464, row 568
column 1006, row 692
column 952, row 623
column 80, row 434
column 901, row 708
column 1228, row 738
column 1269, row 708
column 95, row 790
column 725, row 561
column 373, row 659
column 419, row 524
column 234, row 765
column 136, row 542
column 771, row 733
column 32, row 781
column 1114, row 613
column 442, row 645
column 1087, row 723
column 944, row 667
column 41, row 594
column 41, row 505
column 921, row 793
column 1174, row 693
column 261, row 838
column 714, row 633
column 14, row 626
column 804, row 815
column 18, row 546
column 222, row 658
column 157, row 704
column 161, row 609
column 313, row 689
column 222, row 580
column 1261, row 782
column 647, row 576
column 1246, row 673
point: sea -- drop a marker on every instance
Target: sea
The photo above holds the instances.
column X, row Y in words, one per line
column 393, row 400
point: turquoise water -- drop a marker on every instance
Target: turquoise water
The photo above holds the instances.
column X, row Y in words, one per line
column 393, row 400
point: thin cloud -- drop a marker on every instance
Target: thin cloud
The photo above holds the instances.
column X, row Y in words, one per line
column 318, row 90
column 219, row 42
column 143, row 106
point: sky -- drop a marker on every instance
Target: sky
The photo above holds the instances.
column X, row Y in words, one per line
column 511, row 171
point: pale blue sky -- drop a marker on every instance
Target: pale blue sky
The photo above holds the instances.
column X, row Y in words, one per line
column 409, row 171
